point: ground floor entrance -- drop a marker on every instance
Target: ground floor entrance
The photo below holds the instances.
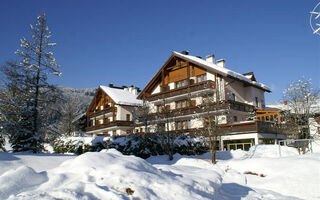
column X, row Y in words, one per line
column 243, row 144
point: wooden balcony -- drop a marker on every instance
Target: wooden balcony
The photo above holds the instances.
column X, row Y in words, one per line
column 222, row 105
column 241, row 128
column 101, row 112
column 110, row 124
column 183, row 90
column 239, row 106
column 253, row 127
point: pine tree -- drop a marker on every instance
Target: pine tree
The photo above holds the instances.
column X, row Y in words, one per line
column 29, row 93
column 16, row 106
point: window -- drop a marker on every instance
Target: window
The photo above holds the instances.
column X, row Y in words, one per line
column 180, row 84
column 128, row 117
column 235, row 118
column 233, row 97
column 178, row 105
column 91, row 123
column 198, row 79
column 107, row 120
column 182, row 125
column 202, row 77
column 181, row 104
column 177, row 84
column 188, row 124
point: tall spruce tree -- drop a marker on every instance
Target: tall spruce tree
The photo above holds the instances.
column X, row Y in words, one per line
column 29, row 93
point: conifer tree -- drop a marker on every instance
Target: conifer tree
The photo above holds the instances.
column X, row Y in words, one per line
column 29, row 94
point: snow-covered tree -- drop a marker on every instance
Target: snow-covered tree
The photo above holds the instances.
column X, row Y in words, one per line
column 301, row 98
column 30, row 96
column 70, row 108
column 16, row 105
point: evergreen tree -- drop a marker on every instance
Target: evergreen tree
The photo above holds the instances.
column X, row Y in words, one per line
column 16, row 106
column 29, row 95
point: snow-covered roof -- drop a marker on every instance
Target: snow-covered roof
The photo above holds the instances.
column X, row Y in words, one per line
column 121, row 97
column 221, row 70
column 249, row 76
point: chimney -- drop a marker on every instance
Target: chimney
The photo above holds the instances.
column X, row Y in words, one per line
column 221, row 63
column 210, row 58
column 185, row 52
column 111, row 85
column 133, row 90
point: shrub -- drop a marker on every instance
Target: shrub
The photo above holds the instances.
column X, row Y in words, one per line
column 138, row 145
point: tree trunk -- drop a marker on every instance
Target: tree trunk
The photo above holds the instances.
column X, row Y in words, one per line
column 36, row 99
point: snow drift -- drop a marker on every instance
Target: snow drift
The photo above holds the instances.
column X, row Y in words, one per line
column 257, row 174
column 15, row 181
column 97, row 175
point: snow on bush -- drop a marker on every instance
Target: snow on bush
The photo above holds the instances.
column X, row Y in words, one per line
column 136, row 145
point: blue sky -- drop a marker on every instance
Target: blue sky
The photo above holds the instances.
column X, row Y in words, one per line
column 126, row 42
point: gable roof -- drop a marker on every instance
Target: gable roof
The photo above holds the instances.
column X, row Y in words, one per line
column 221, row 70
column 121, row 97
column 210, row 67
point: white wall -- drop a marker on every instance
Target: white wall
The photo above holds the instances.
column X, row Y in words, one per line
column 171, row 86
column 122, row 113
column 211, row 76
column 196, row 123
column 244, row 94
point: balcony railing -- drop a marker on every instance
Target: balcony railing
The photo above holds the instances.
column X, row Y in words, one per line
column 236, row 105
column 110, row 124
column 222, row 105
column 101, row 112
column 254, row 126
column 183, row 90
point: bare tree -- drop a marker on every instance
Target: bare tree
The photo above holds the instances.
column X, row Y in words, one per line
column 141, row 116
column 164, row 123
column 301, row 99
column 70, row 109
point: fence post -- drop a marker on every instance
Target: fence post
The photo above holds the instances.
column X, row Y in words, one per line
column 279, row 148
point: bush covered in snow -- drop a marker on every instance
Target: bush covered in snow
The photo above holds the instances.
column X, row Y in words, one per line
column 137, row 145
column 70, row 146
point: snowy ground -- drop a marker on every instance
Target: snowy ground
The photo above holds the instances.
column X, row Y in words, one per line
column 257, row 174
